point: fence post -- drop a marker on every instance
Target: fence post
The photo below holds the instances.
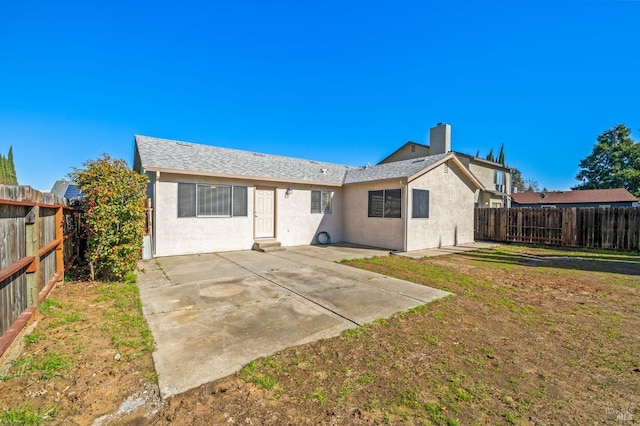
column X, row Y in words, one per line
column 60, row 238
column 34, row 272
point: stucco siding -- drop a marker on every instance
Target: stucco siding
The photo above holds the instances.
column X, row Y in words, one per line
column 487, row 176
column 176, row 236
column 451, row 209
column 294, row 222
column 371, row 231
column 296, row 225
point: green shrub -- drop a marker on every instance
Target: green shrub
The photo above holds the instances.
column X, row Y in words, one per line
column 114, row 198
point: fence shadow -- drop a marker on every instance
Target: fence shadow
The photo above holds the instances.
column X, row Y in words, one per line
column 612, row 263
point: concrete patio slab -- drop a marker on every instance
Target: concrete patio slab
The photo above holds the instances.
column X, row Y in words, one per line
column 210, row 314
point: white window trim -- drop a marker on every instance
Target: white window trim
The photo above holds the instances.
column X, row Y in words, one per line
column 225, row 185
column 323, row 195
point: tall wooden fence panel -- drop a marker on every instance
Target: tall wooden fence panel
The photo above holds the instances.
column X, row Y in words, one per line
column 614, row 227
column 37, row 244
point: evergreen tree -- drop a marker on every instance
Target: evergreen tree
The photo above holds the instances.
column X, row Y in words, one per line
column 8, row 169
column 517, row 181
column 490, row 156
column 3, row 170
column 13, row 178
column 501, row 155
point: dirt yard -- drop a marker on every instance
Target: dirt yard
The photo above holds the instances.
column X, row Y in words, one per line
column 531, row 336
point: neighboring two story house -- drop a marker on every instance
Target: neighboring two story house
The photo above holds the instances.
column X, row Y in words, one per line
column 494, row 177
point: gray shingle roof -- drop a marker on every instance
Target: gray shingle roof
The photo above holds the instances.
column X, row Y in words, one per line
column 158, row 153
column 396, row 169
column 66, row 189
column 60, row 187
column 168, row 154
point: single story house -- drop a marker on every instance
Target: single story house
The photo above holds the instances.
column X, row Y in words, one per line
column 207, row 199
column 618, row 197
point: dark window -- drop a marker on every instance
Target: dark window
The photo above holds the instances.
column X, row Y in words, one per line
column 211, row 200
column 385, row 203
column 186, row 200
column 376, row 203
column 420, row 203
column 321, row 202
column 239, row 200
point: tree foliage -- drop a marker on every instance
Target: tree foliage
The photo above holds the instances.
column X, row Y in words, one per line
column 613, row 163
column 531, row 185
column 501, row 155
column 114, row 198
column 490, row 156
column 8, row 169
column 517, row 181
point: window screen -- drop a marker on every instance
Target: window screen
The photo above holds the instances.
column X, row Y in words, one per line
column 214, row 200
column 211, row 200
column 321, row 202
column 392, row 203
column 239, row 200
column 385, row 203
column 420, row 203
column 186, row 200
column 376, row 203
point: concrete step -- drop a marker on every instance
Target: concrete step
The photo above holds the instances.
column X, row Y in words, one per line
column 267, row 245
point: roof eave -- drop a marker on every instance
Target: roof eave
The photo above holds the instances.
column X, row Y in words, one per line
column 243, row 177
column 472, row 179
column 401, row 179
column 399, row 149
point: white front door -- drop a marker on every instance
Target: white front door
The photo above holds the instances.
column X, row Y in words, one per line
column 264, row 214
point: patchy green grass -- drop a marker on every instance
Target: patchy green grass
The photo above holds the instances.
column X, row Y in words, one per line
column 524, row 340
column 125, row 322
column 26, row 415
column 62, row 314
column 45, row 366
column 69, row 362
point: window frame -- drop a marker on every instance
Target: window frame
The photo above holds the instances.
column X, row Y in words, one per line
column 384, row 204
column 500, row 180
column 414, row 192
column 325, row 202
column 230, row 204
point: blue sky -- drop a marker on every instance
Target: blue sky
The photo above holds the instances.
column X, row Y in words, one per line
column 340, row 81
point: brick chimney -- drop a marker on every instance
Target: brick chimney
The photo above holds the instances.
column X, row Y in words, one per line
column 440, row 139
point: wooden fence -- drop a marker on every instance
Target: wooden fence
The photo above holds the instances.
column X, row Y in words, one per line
column 614, row 227
column 38, row 243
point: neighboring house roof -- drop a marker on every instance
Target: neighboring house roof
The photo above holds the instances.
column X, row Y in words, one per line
column 66, row 188
column 182, row 157
column 408, row 169
column 581, row 196
column 409, row 143
column 492, row 164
